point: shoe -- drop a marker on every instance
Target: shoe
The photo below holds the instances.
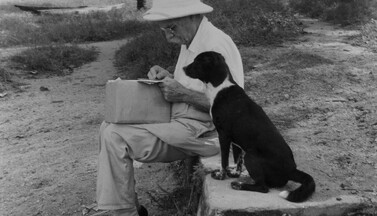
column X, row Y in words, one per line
column 142, row 211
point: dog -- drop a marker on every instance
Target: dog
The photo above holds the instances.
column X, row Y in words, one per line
column 238, row 119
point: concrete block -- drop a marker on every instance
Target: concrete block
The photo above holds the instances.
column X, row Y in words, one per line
column 219, row 199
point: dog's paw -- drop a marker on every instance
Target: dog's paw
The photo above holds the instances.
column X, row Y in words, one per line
column 237, row 185
column 218, row 174
column 284, row 194
column 233, row 173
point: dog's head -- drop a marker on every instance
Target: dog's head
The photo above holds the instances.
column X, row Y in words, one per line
column 209, row 67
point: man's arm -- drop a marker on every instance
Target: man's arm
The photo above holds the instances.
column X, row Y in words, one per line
column 198, row 100
column 173, row 91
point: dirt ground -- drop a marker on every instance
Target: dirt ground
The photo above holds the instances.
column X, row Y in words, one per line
column 319, row 90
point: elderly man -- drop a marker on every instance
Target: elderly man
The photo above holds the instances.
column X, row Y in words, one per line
column 182, row 22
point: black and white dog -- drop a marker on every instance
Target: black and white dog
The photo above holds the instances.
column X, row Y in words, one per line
column 238, row 119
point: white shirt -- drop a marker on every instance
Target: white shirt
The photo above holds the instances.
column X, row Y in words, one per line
column 209, row 38
column 192, row 122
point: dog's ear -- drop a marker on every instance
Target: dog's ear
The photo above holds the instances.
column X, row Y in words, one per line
column 219, row 69
column 198, row 68
column 226, row 71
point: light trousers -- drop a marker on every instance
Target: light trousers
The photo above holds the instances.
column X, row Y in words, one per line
column 120, row 144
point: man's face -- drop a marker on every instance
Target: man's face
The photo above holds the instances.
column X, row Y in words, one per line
column 177, row 31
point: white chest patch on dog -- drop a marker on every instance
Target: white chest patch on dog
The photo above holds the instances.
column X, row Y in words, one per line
column 212, row 91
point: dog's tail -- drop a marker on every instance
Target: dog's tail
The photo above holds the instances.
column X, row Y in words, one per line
column 303, row 192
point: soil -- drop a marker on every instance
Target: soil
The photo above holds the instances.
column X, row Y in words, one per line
column 319, row 90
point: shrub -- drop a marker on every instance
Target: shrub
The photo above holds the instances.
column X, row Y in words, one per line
column 254, row 22
column 58, row 59
column 369, row 31
column 140, row 4
column 343, row 12
column 136, row 57
column 368, row 36
column 17, row 29
column 184, row 199
column 5, row 75
column 25, row 29
column 313, row 9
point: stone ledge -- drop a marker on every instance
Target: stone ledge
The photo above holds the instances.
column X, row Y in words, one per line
column 219, row 199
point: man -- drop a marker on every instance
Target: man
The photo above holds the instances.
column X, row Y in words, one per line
column 182, row 22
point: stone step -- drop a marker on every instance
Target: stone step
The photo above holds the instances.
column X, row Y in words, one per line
column 219, row 199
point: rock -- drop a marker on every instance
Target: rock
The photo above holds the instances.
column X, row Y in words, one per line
column 42, row 88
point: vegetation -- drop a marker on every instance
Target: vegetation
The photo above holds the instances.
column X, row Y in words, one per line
column 345, row 12
column 184, row 199
column 136, row 58
column 58, row 59
column 26, row 29
column 44, row 34
column 254, row 22
column 362, row 13
column 248, row 22
column 95, row 26
column 368, row 36
column 4, row 75
column 140, row 4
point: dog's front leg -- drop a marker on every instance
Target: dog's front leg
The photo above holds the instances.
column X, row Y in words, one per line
column 225, row 147
column 238, row 159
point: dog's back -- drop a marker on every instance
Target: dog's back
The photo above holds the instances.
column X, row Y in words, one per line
column 233, row 111
column 239, row 117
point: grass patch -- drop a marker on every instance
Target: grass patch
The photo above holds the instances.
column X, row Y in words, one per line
column 344, row 12
column 7, row 9
column 95, row 26
column 5, row 75
column 25, row 29
column 367, row 37
column 254, row 22
column 184, row 199
column 53, row 60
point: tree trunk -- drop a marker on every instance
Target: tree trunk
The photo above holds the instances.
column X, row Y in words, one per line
column 140, row 4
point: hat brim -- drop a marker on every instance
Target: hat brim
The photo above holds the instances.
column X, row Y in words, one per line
column 159, row 14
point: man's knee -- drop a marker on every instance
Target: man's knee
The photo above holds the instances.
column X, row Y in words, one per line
column 101, row 130
column 111, row 141
column 104, row 133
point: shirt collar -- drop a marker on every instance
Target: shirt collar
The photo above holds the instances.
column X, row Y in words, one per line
column 195, row 44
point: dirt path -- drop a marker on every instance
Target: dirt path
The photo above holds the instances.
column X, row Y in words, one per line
column 49, row 141
column 320, row 91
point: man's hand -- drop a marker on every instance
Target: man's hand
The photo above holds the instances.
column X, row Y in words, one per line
column 157, row 72
column 173, row 91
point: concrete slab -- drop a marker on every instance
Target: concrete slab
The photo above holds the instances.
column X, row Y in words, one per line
column 219, row 199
